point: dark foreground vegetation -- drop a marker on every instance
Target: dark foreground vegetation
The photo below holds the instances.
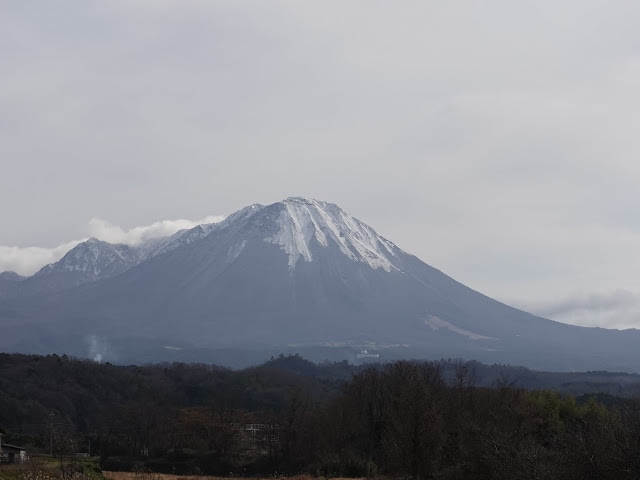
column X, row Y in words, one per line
column 447, row 420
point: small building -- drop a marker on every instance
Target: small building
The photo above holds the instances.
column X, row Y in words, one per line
column 366, row 354
column 13, row 454
column 3, row 431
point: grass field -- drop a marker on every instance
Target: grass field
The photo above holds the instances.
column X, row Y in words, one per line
column 164, row 476
column 152, row 476
column 45, row 468
column 46, row 471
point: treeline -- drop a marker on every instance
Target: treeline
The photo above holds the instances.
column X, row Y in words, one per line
column 404, row 419
column 38, row 390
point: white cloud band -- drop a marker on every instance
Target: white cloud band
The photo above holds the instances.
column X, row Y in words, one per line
column 28, row 260
column 108, row 232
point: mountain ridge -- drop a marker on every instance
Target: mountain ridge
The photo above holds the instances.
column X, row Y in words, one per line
column 300, row 274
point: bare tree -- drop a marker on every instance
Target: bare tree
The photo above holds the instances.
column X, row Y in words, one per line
column 415, row 433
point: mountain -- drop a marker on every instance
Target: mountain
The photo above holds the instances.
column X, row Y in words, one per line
column 154, row 247
column 88, row 261
column 9, row 284
column 94, row 260
column 298, row 275
column 10, row 277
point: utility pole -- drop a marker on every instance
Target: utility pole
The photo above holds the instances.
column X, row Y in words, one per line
column 51, row 417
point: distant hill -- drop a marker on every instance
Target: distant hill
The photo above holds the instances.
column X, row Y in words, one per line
column 84, row 394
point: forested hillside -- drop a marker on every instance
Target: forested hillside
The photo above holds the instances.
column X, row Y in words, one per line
column 446, row 419
column 35, row 390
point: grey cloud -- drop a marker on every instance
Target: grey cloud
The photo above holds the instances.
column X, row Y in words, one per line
column 495, row 140
column 617, row 309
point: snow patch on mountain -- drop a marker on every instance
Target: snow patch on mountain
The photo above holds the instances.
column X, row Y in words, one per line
column 235, row 251
column 95, row 258
column 241, row 214
column 304, row 221
column 436, row 324
column 159, row 246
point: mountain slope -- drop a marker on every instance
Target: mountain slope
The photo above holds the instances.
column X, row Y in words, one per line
column 88, row 261
column 300, row 275
column 94, row 260
column 9, row 284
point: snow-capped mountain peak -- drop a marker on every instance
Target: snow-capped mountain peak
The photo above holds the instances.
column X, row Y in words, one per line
column 95, row 258
column 184, row 237
column 299, row 226
column 305, row 223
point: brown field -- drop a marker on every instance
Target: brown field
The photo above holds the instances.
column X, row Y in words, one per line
column 165, row 476
column 152, row 476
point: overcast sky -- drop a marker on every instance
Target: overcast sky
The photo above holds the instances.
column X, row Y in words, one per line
column 498, row 141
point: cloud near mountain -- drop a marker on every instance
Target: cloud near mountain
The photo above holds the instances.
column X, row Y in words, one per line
column 108, row 232
column 28, row 260
column 615, row 309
